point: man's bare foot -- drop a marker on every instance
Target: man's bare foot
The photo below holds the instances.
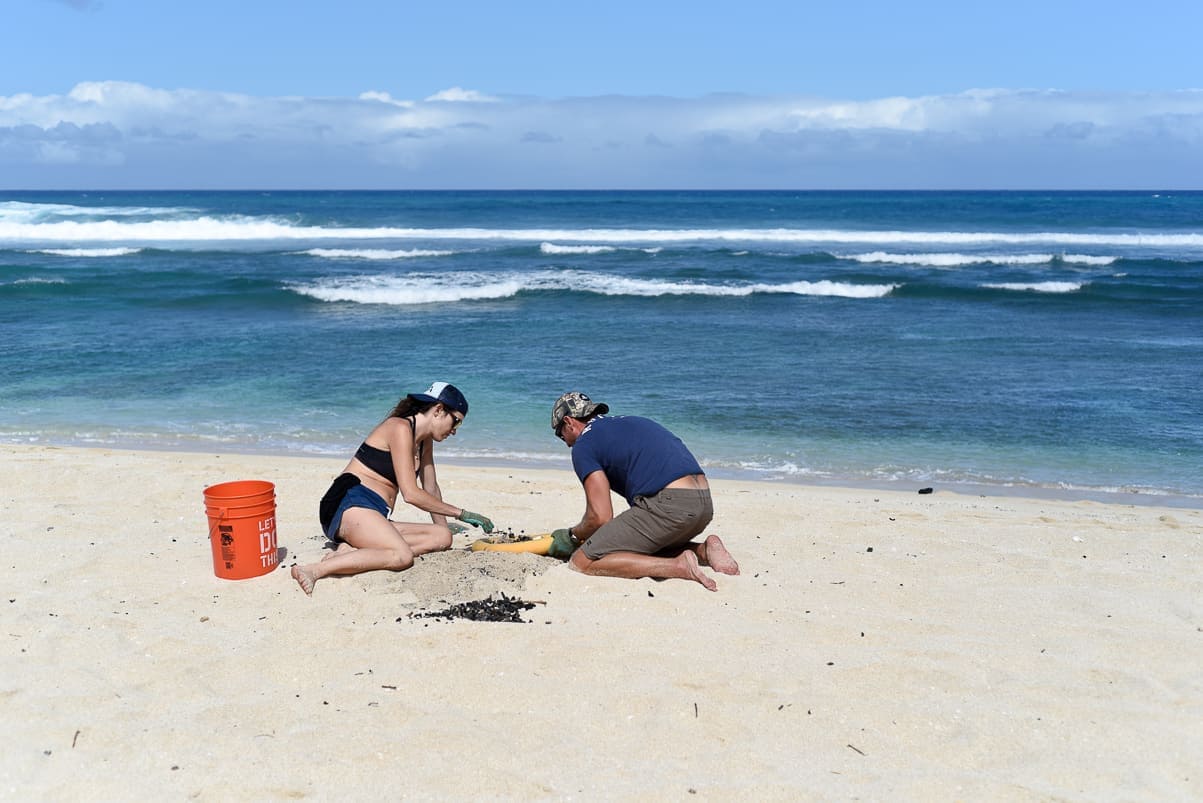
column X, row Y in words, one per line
column 693, row 570
column 304, row 579
column 718, row 558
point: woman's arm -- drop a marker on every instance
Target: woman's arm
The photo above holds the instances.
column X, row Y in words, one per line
column 429, row 480
column 401, row 445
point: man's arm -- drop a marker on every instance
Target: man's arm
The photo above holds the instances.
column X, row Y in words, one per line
column 599, row 508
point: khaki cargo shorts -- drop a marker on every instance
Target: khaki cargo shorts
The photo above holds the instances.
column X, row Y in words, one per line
column 654, row 523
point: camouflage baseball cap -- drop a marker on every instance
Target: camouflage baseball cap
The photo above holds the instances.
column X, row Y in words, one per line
column 577, row 405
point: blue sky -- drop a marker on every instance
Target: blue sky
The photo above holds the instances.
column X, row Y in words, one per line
column 760, row 93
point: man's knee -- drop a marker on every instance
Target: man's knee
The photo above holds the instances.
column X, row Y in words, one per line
column 579, row 561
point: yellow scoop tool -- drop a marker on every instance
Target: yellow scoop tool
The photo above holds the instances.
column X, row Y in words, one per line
column 538, row 544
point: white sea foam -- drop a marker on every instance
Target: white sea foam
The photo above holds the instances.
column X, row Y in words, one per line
column 955, row 260
column 784, row 468
column 34, row 280
column 202, row 229
column 413, row 289
column 951, row 260
column 374, row 253
column 625, row 286
column 442, row 288
column 1038, row 287
column 552, row 248
column 87, row 252
column 828, row 288
column 235, row 228
column 32, row 212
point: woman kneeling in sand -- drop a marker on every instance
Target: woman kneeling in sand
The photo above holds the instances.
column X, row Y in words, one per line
column 397, row 457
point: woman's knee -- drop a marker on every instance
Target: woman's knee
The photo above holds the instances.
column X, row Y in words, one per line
column 399, row 560
column 442, row 537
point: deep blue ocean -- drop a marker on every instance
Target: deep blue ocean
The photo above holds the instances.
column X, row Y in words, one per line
column 1038, row 341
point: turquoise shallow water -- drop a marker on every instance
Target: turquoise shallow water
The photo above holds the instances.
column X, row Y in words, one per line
column 1043, row 341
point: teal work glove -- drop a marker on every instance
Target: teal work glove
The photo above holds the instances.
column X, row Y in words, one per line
column 562, row 545
column 456, row 528
column 476, row 520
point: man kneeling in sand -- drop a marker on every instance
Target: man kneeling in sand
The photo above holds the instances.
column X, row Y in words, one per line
column 662, row 482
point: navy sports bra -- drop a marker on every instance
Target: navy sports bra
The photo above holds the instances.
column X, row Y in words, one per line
column 381, row 460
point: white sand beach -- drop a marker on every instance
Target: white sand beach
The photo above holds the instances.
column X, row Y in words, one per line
column 879, row 645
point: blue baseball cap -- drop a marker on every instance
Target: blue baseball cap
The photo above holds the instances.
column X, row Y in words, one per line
column 446, row 394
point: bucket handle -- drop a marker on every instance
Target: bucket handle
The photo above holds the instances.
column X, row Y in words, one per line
column 221, row 511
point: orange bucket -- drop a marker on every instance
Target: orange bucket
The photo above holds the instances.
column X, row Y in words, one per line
column 242, row 528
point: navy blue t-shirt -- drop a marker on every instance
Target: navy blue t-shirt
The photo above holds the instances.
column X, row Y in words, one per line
column 638, row 456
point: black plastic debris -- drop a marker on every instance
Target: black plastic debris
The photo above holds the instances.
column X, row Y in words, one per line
column 500, row 536
column 491, row 609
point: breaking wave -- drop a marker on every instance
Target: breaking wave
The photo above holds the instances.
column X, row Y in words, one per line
column 87, row 252
column 440, row 288
column 47, row 224
column 953, row 260
column 1038, row 287
column 374, row 253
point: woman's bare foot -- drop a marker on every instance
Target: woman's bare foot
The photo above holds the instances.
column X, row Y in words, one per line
column 342, row 548
column 718, row 558
column 304, row 579
column 693, row 570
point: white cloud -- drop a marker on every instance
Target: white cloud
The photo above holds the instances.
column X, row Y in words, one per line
column 116, row 134
column 457, row 95
column 385, row 97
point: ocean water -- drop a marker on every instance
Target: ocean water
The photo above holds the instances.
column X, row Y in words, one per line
column 1046, row 342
